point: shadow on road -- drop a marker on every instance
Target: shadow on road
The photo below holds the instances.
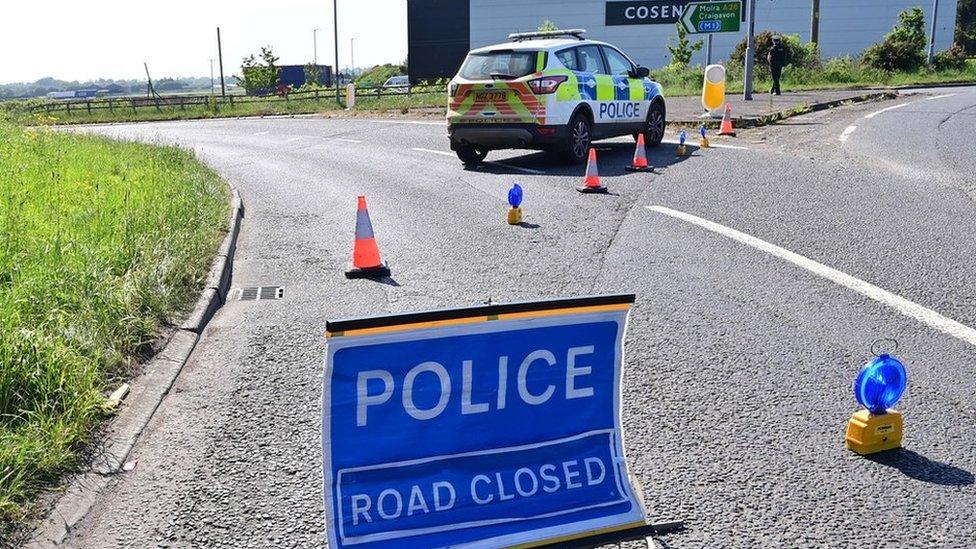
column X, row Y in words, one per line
column 612, row 159
column 917, row 466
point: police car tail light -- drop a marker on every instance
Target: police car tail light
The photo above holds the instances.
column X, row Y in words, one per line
column 546, row 84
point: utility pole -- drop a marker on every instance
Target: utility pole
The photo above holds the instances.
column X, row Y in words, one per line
column 750, row 50
column 335, row 23
column 220, row 56
column 935, row 15
column 315, row 47
column 708, row 50
column 815, row 23
column 211, row 78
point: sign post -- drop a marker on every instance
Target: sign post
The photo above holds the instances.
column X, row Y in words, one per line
column 712, row 17
column 495, row 425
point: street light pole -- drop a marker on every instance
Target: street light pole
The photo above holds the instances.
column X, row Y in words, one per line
column 352, row 58
column 315, row 47
column 335, row 22
column 211, row 78
column 815, row 23
column 935, row 15
column 220, row 56
column 750, row 50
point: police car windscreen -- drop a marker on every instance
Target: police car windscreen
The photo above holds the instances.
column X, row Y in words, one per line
column 498, row 65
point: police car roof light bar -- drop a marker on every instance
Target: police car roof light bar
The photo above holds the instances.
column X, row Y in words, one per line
column 519, row 36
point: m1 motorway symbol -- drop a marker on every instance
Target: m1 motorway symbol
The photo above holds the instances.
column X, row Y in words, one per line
column 712, row 17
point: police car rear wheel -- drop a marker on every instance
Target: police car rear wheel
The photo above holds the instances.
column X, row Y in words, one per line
column 578, row 143
column 654, row 130
column 471, row 155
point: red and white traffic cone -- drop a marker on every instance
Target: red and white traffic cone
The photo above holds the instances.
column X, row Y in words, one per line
column 591, row 182
column 639, row 163
column 366, row 262
column 726, row 128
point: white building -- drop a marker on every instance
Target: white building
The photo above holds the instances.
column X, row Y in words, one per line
column 438, row 30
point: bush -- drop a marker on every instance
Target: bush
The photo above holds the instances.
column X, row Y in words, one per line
column 798, row 54
column 902, row 48
column 953, row 58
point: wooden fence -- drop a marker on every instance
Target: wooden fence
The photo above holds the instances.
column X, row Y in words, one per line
column 216, row 102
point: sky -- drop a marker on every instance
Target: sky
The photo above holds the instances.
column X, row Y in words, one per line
column 88, row 39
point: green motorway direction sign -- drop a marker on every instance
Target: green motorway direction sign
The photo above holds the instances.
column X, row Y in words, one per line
column 712, row 17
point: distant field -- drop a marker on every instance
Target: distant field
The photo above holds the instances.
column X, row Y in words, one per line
column 101, row 244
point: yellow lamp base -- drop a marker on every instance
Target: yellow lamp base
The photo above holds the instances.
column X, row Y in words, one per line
column 681, row 150
column 704, row 143
column 514, row 216
column 868, row 433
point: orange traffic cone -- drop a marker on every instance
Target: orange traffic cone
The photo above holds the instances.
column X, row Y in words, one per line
column 366, row 262
column 639, row 164
column 591, row 182
column 726, row 128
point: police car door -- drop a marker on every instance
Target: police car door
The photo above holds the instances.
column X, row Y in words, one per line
column 595, row 87
column 629, row 103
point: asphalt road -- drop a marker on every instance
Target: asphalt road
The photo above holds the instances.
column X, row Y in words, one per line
column 739, row 363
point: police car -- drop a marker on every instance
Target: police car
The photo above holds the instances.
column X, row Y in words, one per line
column 553, row 91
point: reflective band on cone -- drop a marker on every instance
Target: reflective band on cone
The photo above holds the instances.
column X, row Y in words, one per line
column 639, row 164
column 366, row 262
column 591, row 182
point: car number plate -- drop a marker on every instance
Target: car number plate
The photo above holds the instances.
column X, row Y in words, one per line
column 491, row 97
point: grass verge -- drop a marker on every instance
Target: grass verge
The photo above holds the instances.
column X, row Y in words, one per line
column 102, row 243
column 836, row 73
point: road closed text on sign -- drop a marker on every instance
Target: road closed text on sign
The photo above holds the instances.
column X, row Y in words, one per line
column 480, row 427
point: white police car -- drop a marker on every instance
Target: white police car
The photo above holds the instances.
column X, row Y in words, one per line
column 552, row 91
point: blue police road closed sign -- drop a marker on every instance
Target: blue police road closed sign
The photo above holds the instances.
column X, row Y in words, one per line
column 481, row 427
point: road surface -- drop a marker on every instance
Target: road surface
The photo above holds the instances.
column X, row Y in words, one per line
column 740, row 353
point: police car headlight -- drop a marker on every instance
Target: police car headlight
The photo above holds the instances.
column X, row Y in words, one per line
column 546, row 84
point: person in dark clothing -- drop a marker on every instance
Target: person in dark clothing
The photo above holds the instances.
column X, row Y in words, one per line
column 776, row 58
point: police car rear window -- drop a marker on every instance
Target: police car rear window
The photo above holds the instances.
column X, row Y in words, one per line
column 499, row 65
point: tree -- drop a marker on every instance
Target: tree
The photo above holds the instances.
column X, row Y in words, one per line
column 312, row 73
column 682, row 51
column 966, row 26
column 548, row 26
column 260, row 76
column 903, row 48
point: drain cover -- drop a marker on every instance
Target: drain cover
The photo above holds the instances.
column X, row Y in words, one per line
column 258, row 293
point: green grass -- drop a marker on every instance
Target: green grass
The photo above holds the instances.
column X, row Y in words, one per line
column 102, row 243
column 840, row 72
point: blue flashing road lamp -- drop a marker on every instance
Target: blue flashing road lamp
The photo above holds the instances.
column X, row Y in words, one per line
column 682, row 137
column 878, row 387
column 704, row 138
column 515, row 201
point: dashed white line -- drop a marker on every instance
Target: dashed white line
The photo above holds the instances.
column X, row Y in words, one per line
column 940, row 96
column 886, row 109
column 433, row 151
column 900, row 304
column 420, row 122
column 846, row 133
column 346, row 140
column 710, row 144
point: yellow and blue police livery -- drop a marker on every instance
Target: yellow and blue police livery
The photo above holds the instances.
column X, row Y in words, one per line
column 552, row 91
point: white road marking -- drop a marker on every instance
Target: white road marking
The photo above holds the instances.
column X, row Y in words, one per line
column 502, row 164
column 346, row 140
column 261, row 133
column 939, row 96
column 846, row 133
column 293, row 139
column 886, row 109
column 710, row 144
column 432, row 151
column 421, row 122
column 900, row 304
